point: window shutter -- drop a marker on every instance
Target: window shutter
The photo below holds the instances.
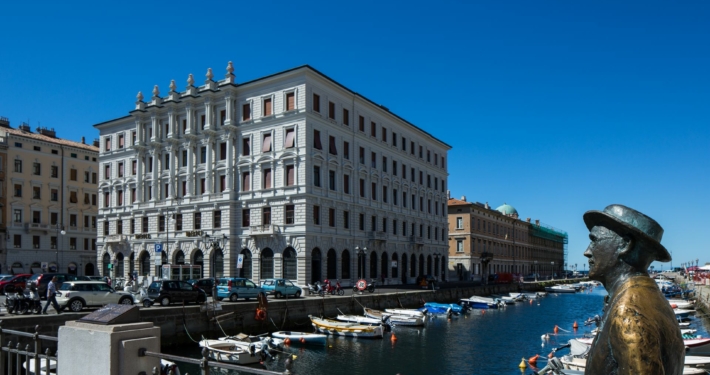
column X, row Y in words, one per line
column 333, row 150
column 290, row 137
column 245, row 181
column 267, row 179
column 266, row 146
column 267, row 107
column 316, row 140
column 246, row 112
column 290, row 101
column 290, row 174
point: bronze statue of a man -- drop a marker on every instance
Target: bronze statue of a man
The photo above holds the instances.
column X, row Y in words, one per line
column 639, row 333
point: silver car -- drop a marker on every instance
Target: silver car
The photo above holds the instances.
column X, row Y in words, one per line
column 75, row 295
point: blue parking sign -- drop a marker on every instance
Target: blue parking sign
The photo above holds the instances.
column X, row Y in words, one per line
column 158, row 247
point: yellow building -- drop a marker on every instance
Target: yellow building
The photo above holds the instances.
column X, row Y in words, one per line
column 50, row 202
column 485, row 241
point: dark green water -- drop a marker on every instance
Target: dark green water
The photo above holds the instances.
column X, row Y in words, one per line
column 479, row 343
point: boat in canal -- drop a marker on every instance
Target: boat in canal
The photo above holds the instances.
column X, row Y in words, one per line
column 301, row 337
column 338, row 328
column 560, row 289
column 361, row 319
column 478, row 302
column 409, row 312
column 456, row 308
column 395, row 319
column 681, row 313
column 228, row 352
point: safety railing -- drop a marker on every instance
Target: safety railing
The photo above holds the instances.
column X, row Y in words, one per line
column 206, row 364
column 16, row 359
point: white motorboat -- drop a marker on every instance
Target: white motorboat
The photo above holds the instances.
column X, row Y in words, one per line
column 338, row 328
column 360, row 319
column 228, row 352
column 258, row 342
column 560, row 289
column 409, row 312
column 301, row 337
column 395, row 319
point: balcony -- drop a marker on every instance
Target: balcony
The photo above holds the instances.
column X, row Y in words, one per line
column 377, row 236
column 416, row 241
column 36, row 227
column 116, row 238
column 263, row 230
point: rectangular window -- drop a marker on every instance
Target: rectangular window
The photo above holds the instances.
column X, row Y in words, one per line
column 223, row 151
column 73, row 197
column 93, row 177
column 384, row 164
column 246, row 112
column 54, row 195
column 267, row 107
column 35, row 192
column 54, row 172
column 361, row 221
column 246, row 146
column 178, row 222
column 133, row 227
column 17, row 216
column 36, row 169
column 332, row 149
column 107, row 146
column 184, row 161
column 384, row 134
column 361, row 124
column 316, row 215
column 107, row 173
column 120, row 197
column 120, row 169
column 289, row 214
column 373, row 160
column 150, row 164
column 331, row 180
column 394, row 167
column 217, row 219
column 331, row 217
column 246, row 182
column 331, row 110
column 316, row 103
column 346, row 150
column 362, row 188
column 362, row 155
column 346, row 184
column 120, row 141
column 222, row 183
column 404, row 199
column 17, row 241
column 421, row 154
column 166, row 165
column 346, row 219
column 119, row 227
column 18, row 166
column 394, row 227
column 346, row 117
column 266, row 143
column 316, row 140
column 395, row 196
column 290, row 101
column 134, row 135
column 373, row 129
column 428, row 156
column 36, row 217
column 266, row 216
column 197, row 220
column 459, row 223
column 290, row 175
column 144, row 224
column 459, row 246
column 73, row 173
column 394, row 139
column 316, row 176
column 384, row 194
column 203, row 121
column 290, row 138
column 18, row 190
column 373, row 191
column 266, row 177
column 87, row 177
column 373, row 223
column 411, row 148
column 161, row 223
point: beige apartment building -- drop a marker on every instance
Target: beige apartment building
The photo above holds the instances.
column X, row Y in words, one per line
column 4, row 122
column 49, row 202
column 485, row 241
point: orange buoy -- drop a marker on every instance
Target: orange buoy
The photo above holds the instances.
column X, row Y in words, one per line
column 483, row 312
column 673, row 305
column 575, row 326
column 551, row 355
column 530, row 301
column 557, row 329
column 533, row 360
column 302, row 340
column 393, row 338
column 287, row 341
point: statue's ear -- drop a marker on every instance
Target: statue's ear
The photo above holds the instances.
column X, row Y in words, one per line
column 626, row 249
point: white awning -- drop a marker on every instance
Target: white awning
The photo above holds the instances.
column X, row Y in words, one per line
column 16, row 270
column 705, row 268
column 37, row 270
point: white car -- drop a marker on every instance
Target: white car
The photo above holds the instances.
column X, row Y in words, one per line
column 77, row 294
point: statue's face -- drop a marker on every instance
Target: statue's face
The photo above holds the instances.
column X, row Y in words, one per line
column 602, row 252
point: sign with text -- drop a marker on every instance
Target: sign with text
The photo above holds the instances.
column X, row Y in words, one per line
column 394, row 264
column 240, row 261
column 158, row 254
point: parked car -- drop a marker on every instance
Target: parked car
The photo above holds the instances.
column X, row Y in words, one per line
column 10, row 283
column 237, row 287
column 75, row 295
column 166, row 292
column 205, row 284
column 40, row 280
column 97, row 278
column 280, row 287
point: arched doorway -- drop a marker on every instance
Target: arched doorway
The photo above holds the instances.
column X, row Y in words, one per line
column 179, row 257
column 132, row 263
column 198, row 259
column 345, row 265
column 106, row 261
column 361, row 262
column 395, row 265
column 290, row 264
column 217, row 262
column 444, row 268
column 384, row 265
column 71, row 269
column 413, row 267
column 89, row 269
column 267, row 264
column 315, row 265
column 118, row 272
column 245, row 271
column 163, row 257
column 17, row 268
column 428, row 265
column 436, row 266
column 421, row 264
column 145, row 263
column 373, row 265
column 404, row 268
column 332, row 265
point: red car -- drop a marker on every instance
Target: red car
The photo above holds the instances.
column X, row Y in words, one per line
column 9, row 284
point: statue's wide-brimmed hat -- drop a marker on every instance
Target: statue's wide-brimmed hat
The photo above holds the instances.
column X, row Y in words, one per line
column 627, row 221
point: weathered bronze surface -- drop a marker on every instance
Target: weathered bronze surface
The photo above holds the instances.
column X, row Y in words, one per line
column 638, row 333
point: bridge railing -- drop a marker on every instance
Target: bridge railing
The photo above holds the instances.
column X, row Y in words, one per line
column 15, row 359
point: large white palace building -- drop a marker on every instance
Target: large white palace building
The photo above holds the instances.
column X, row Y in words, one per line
column 291, row 175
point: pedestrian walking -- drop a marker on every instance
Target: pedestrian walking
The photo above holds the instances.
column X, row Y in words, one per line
column 52, row 296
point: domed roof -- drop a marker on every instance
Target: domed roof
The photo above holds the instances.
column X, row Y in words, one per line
column 507, row 209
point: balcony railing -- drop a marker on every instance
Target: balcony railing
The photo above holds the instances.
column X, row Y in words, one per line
column 263, row 230
column 35, row 227
column 416, row 240
column 377, row 236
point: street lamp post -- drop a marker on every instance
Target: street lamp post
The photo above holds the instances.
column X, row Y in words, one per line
column 360, row 263
column 436, row 265
column 216, row 243
column 552, row 274
column 57, row 249
column 535, row 270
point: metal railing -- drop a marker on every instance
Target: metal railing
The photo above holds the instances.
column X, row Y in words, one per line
column 13, row 357
column 205, row 364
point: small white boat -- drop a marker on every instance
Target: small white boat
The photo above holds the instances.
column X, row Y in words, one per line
column 518, row 297
column 410, row 312
column 681, row 304
column 301, row 337
column 337, row 328
column 560, row 289
column 681, row 313
column 228, row 352
column 258, row 343
column 395, row 319
column 688, row 331
column 359, row 319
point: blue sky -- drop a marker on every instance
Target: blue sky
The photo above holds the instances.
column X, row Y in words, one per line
column 553, row 107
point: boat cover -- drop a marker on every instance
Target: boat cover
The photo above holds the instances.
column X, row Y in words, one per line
column 578, row 348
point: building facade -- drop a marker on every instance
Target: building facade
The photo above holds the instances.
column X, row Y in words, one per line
column 485, row 241
column 291, row 175
column 49, row 202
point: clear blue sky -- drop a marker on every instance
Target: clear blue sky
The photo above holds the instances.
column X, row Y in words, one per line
column 553, row 107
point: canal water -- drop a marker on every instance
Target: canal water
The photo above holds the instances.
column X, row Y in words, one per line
column 490, row 342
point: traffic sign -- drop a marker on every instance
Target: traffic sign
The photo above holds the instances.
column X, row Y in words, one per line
column 158, row 247
column 110, row 266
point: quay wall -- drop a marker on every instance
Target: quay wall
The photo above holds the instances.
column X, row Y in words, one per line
column 180, row 324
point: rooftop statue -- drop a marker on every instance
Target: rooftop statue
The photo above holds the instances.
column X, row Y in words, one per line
column 639, row 333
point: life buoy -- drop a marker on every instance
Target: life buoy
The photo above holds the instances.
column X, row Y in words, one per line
column 361, row 284
column 260, row 314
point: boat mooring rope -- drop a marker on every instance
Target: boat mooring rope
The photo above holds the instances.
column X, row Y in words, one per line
column 184, row 324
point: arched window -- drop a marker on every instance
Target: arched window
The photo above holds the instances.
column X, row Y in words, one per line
column 332, row 261
column 373, row 265
column 404, row 268
column 384, row 264
column 421, row 264
column 290, row 264
column 106, row 261
column 413, row 267
column 179, row 257
column 315, row 265
column 444, row 268
column 119, row 266
column 345, row 265
column 245, row 271
column 428, row 265
column 199, row 260
column 145, row 263
column 267, row 264
column 395, row 265
column 218, row 262
column 132, row 263
column 164, row 257
column 89, row 269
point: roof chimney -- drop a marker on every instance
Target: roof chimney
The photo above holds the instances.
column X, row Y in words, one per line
column 448, row 194
column 47, row 131
column 96, row 142
column 463, row 198
column 487, row 206
column 528, row 220
column 537, row 222
column 83, row 140
column 25, row 127
column 4, row 122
